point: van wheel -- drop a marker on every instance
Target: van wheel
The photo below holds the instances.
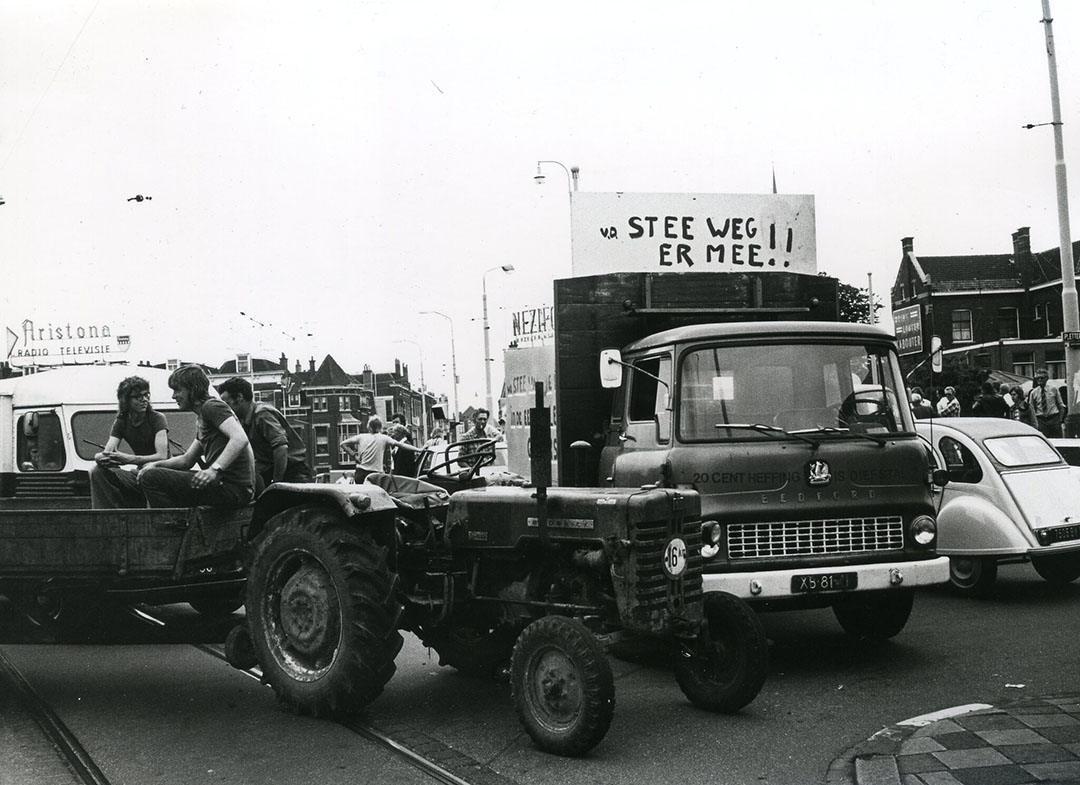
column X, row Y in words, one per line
column 322, row 611
column 1058, row 568
column 874, row 615
column 726, row 669
column 563, row 688
column 972, row 575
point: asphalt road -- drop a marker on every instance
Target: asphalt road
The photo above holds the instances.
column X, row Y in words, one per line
column 152, row 709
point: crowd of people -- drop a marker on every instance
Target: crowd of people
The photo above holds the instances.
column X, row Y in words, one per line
column 241, row 446
column 1042, row 407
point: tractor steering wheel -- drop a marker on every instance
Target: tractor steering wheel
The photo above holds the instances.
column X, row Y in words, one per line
column 481, row 453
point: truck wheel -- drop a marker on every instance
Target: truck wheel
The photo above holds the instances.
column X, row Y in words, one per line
column 727, row 667
column 322, row 611
column 1059, row 568
column 877, row 615
column 473, row 648
column 972, row 575
column 562, row 685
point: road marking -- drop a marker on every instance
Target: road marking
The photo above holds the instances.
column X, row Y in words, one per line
column 944, row 714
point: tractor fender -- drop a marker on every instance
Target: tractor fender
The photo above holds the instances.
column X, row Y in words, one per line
column 351, row 500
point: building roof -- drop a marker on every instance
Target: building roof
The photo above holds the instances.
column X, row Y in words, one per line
column 330, row 374
column 257, row 366
column 982, row 272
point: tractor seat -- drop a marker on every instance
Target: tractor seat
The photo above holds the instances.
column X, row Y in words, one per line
column 409, row 492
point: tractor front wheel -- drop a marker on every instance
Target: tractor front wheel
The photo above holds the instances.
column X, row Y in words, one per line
column 562, row 684
column 726, row 668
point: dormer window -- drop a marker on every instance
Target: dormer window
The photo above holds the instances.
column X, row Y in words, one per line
column 243, row 364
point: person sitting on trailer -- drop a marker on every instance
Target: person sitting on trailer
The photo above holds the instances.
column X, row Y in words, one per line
column 220, row 441
column 280, row 452
column 146, row 433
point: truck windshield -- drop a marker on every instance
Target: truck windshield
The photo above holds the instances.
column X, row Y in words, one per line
column 828, row 389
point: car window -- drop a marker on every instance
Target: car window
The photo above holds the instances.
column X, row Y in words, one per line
column 960, row 462
column 1021, row 450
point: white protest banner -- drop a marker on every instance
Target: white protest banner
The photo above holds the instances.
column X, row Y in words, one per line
column 623, row 232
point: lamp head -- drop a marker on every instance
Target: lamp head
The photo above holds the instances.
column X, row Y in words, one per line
column 508, row 268
column 539, row 176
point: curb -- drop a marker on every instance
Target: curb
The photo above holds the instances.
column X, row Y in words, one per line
column 873, row 761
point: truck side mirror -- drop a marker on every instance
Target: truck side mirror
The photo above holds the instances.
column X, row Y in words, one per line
column 611, row 366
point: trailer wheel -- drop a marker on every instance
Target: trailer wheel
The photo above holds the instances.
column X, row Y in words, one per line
column 562, row 685
column 877, row 615
column 1058, row 568
column 322, row 612
column 239, row 648
column 727, row 667
column 473, row 647
column 972, row 575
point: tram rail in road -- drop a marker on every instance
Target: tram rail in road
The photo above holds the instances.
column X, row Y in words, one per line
column 434, row 770
column 87, row 771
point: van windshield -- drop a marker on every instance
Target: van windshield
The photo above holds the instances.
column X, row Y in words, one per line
column 803, row 388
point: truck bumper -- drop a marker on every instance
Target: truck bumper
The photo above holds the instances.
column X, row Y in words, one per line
column 778, row 584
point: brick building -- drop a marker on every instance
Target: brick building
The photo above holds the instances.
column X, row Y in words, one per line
column 994, row 311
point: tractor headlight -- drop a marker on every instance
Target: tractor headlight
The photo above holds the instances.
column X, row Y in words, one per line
column 924, row 530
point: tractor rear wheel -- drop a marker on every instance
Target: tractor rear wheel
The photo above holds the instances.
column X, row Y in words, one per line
column 322, row 611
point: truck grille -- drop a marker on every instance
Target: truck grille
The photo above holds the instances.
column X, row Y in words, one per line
column 814, row 538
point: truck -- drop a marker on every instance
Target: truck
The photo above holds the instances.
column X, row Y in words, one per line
column 536, row 580
column 59, row 559
column 793, row 428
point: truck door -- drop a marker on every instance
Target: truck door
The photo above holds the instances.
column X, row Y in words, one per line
column 641, row 433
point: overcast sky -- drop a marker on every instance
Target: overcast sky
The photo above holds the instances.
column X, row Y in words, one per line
column 334, row 168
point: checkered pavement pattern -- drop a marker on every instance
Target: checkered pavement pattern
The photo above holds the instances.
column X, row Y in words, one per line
column 1034, row 740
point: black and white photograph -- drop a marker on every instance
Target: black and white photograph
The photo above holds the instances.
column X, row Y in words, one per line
column 490, row 393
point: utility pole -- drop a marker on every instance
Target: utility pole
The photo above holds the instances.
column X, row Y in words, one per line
column 1070, row 314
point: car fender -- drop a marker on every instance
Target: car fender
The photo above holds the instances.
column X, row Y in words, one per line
column 972, row 525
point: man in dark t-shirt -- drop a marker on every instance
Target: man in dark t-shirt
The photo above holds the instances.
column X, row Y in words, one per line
column 228, row 478
column 280, row 452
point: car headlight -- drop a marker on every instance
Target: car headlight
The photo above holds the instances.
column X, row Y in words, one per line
column 924, row 530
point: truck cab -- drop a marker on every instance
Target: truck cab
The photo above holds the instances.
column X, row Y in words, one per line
column 795, row 437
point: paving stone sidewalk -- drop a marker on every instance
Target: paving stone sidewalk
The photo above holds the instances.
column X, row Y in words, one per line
column 1030, row 740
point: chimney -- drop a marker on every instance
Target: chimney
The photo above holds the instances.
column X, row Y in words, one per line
column 311, row 365
column 1022, row 255
column 1022, row 241
column 908, row 244
column 405, row 372
column 284, row 362
column 298, row 367
column 397, row 367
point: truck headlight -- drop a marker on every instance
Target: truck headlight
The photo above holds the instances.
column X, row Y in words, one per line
column 924, row 530
column 710, row 533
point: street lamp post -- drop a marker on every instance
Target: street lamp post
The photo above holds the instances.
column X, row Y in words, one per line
column 571, row 186
column 571, row 174
column 423, row 394
column 1070, row 314
column 506, row 268
column 453, row 359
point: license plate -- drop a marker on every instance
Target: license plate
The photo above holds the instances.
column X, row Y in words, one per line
column 824, row 581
